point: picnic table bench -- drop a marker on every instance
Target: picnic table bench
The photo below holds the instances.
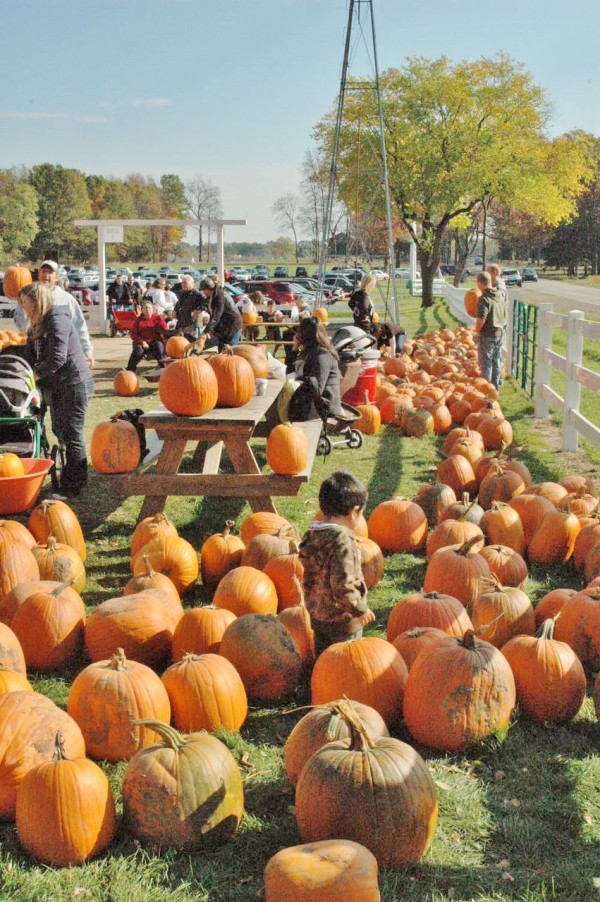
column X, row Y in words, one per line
column 229, row 429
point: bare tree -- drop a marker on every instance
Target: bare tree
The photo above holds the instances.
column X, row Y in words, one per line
column 286, row 209
column 314, row 187
column 203, row 201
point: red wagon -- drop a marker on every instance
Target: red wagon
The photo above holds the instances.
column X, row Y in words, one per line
column 121, row 320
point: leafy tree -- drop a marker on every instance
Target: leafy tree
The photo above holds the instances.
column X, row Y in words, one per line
column 18, row 215
column 203, row 201
column 457, row 135
column 62, row 198
column 286, row 210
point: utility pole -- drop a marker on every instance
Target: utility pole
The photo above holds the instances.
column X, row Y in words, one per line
column 355, row 19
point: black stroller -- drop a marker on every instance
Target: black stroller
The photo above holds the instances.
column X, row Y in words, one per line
column 22, row 410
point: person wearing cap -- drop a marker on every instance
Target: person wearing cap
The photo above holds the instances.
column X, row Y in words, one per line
column 225, row 323
column 48, row 274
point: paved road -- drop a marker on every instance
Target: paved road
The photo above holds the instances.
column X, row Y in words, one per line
column 564, row 295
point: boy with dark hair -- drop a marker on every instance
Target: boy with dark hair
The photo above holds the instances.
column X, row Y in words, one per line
column 334, row 588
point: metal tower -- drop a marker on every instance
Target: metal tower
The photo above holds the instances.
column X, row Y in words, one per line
column 355, row 18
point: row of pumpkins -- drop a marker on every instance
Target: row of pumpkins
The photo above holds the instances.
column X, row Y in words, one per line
column 431, row 640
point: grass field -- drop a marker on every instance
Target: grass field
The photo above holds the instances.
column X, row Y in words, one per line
column 519, row 818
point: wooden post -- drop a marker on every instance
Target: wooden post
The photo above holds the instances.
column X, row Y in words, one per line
column 542, row 369
column 221, row 252
column 572, row 386
column 508, row 346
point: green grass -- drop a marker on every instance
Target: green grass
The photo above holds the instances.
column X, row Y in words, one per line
column 519, row 818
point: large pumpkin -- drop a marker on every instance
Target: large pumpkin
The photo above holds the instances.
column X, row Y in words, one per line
column 459, row 691
column 183, row 793
column 15, row 279
column 235, row 379
column 246, row 590
column 142, row 624
column 105, row 699
column 398, row 526
column 287, row 450
column 58, row 519
column 200, row 631
column 206, row 693
column 549, row 676
column 501, row 612
column 322, row 872
column 188, row 387
column 219, row 554
column 261, row 522
column 115, row 447
column 17, row 563
column 262, row 651
column 456, row 570
column 155, row 527
column 49, row 626
column 29, row 723
column 171, row 555
column 579, row 626
column 65, row 810
column 256, row 357
column 554, row 541
column 444, row 612
column 377, row 790
column 321, row 725
column 368, row 670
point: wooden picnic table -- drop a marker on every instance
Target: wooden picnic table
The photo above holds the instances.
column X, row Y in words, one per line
column 229, row 429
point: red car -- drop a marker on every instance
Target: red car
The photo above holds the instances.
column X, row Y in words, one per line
column 279, row 291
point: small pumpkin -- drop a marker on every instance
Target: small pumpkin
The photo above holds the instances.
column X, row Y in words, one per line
column 61, row 563
column 115, row 447
column 219, row 554
column 126, row 384
column 321, row 872
column 287, row 450
column 200, row 631
column 10, row 466
column 206, row 693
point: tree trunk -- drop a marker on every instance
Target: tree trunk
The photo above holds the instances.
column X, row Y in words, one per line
column 199, row 244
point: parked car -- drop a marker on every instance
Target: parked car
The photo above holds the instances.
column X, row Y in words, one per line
column 280, row 272
column 302, row 271
column 84, row 294
column 478, row 261
column 313, row 285
column 261, row 271
column 402, row 273
column 511, row 277
column 379, row 274
column 529, row 274
column 338, row 281
column 242, row 275
column 279, row 291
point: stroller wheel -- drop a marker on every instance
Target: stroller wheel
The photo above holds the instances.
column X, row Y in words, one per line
column 324, row 447
column 355, row 439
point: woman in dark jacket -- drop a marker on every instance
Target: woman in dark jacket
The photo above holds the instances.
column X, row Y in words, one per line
column 56, row 357
column 361, row 304
column 318, row 366
column 225, row 323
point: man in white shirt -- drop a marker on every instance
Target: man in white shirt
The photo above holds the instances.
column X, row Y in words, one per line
column 48, row 272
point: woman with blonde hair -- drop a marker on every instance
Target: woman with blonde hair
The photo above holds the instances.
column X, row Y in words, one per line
column 54, row 351
column 361, row 304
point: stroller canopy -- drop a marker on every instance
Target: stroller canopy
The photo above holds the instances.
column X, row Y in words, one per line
column 18, row 391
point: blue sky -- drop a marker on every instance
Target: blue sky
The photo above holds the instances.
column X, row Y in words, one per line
column 231, row 89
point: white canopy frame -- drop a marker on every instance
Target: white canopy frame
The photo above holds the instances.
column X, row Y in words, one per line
column 104, row 227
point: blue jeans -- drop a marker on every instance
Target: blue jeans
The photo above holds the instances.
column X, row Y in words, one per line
column 68, row 404
column 234, row 340
column 489, row 354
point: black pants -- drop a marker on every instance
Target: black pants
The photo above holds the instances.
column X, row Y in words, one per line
column 68, row 404
column 156, row 348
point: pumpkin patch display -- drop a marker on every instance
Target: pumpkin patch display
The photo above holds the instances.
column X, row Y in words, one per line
column 105, row 699
column 185, row 792
column 459, row 691
column 65, row 810
column 377, row 789
column 322, row 872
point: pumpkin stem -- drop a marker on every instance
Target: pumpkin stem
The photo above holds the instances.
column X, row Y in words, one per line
column 366, row 401
column 59, row 747
column 491, row 583
column 149, row 569
column 51, row 542
column 468, row 640
column 546, row 629
column 170, row 736
column 118, row 660
column 190, row 656
column 464, row 549
column 229, row 524
column 61, row 588
column 359, row 738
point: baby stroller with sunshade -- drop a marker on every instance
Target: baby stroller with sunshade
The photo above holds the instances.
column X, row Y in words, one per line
column 306, row 402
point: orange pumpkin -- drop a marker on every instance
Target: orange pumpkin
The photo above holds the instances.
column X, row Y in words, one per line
column 206, row 693
column 219, row 554
column 11, row 466
column 399, row 526
column 176, row 347
column 126, row 384
column 188, row 387
column 246, row 590
column 287, row 450
column 263, row 652
column 15, row 279
column 471, row 300
column 58, row 519
column 200, row 631
column 171, row 555
column 157, row 526
column 235, row 379
column 322, row 314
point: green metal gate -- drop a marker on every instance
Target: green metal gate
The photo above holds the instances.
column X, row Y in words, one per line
column 524, row 345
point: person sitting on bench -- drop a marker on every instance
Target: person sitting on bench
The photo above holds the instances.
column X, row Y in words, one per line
column 148, row 336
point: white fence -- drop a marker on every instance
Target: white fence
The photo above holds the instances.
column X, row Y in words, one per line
column 576, row 375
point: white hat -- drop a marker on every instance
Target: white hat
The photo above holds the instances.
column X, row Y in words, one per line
column 51, row 264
